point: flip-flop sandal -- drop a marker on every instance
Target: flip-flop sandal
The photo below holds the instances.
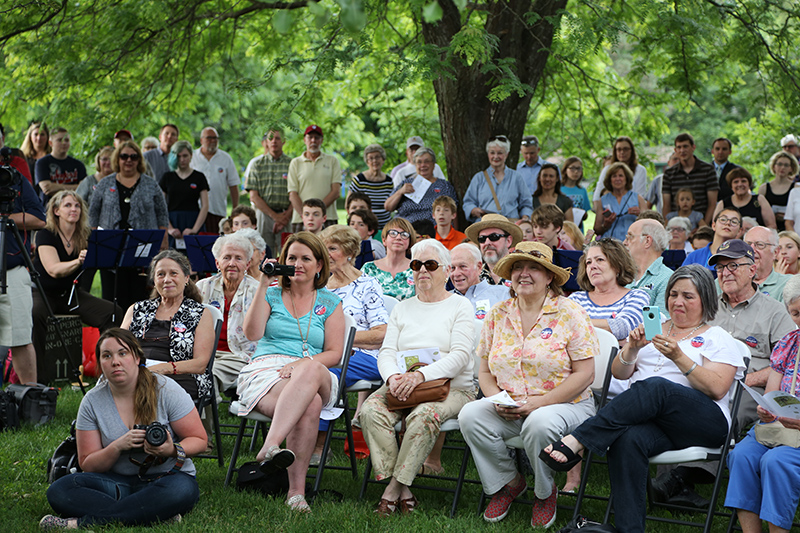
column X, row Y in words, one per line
column 276, row 460
column 427, row 470
column 572, row 457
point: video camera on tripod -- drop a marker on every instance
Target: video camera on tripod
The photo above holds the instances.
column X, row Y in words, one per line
column 9, row 178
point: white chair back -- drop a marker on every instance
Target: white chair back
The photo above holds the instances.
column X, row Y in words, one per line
column 608, row 344
column 478, row 324
column 216, row 314
column 349, row 322
column 389, row 302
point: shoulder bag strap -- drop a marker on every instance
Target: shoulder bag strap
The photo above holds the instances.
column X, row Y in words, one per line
column 494, row 194
column 794, row 375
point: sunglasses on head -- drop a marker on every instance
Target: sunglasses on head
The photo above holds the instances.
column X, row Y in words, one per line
column 494, row 237
column 132, row 157
column 430, row 265
column 530, row 143
column 501, row 138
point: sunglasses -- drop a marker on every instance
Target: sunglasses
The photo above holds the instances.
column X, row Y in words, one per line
column 530, row 143
column 501, row 138
column 494, row 237
column 132, row 157
column 430, row 265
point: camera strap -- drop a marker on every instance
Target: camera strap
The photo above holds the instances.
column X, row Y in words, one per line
column 145, row 465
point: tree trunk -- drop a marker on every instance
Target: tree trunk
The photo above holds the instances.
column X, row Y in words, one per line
column 467, row 117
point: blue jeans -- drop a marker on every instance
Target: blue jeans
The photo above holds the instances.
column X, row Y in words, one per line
column 653, row 416
column 361, row 366
column 97, row 499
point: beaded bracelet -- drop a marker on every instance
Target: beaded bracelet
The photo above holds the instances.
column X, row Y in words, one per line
column 174, row 368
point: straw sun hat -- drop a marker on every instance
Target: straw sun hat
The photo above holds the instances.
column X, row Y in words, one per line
column 536, row 252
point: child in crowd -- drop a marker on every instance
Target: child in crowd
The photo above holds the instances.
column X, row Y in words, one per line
column 425, row 229
column 547, row 220
column 702, row 237
column 685, row 201
column 444, row 213
column 571, row 178
column 366, row 224
column 314, row 215
column 357, row 200
column 243, row 216
column 527, row 229
column 573, row 234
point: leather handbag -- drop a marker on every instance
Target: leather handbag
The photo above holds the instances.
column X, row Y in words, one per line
column 773, row 434
column 435, row 390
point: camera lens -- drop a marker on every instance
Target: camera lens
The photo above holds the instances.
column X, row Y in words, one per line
column 156, row 434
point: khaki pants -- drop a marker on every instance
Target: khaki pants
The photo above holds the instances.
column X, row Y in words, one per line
column 422, row 430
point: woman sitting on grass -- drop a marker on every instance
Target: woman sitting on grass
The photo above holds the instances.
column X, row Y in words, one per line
column 125, row 478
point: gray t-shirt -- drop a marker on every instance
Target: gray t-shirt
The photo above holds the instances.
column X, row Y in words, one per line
column 98, row 412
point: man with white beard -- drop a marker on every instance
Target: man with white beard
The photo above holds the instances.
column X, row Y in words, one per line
column 494, row 234
column 314, row 175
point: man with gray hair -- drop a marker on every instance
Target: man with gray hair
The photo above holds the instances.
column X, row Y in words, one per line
column 646, row 241
column 407, row 168
column 764, row 242
column 531, row 163
column 465, row 275
column 221, row 174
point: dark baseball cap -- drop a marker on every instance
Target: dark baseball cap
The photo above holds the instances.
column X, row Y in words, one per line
column 123, row 133
column 732, row 249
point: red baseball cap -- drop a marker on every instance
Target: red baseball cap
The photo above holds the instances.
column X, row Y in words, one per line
column 314, row 129
column 123, row 133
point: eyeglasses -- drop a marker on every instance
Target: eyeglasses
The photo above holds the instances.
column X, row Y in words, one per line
column 631, row 236
column 676, row 230
column 132, row 157
column 759, row 244
column 623, row 148
column 374, row 158
column 494, row 237
column 400, row 234
column 430, row 265
column 732, row 267
column 575, row 168
column 789, row 146
column 735, row 222
column 501, row 138
column 530, row 143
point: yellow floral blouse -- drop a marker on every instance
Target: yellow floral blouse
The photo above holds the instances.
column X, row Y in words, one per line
column 540, row 362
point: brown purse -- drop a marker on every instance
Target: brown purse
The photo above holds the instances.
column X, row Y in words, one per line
column 435, row 390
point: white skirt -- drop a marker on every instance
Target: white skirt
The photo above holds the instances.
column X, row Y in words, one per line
column 258, row 377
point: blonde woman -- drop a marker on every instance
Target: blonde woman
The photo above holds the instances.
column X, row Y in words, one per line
column 788, row 258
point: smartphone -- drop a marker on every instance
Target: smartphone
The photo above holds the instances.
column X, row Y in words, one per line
column 652, row 321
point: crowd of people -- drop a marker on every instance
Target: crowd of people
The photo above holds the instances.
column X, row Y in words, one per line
column 697, row 244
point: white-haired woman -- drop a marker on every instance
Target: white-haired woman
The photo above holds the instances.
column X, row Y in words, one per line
column 441, row 323
column 374, row 182
column 259, row 250
column 498, row 189
column 425, row 161
column 231, row 291
column 679, row 229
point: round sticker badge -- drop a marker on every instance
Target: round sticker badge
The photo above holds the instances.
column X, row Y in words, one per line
column 698, row 342
column 547, row 333
column 215, row 304
column 320, row 310
column 507, row 283
column 192, row 185
column 480, row 314
column 179, row 327
column 112, row 189
column 751, row 341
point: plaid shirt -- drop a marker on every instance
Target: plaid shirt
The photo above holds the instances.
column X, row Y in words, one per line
column 267, row 176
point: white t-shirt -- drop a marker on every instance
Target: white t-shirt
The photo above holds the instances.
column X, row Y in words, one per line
column 221, row 174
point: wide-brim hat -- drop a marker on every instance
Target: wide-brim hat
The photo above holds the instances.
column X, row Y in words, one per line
column 493, row 220
column 532, row 251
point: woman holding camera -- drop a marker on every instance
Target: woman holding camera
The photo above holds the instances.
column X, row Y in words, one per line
column 299, row 326
column 126, row 478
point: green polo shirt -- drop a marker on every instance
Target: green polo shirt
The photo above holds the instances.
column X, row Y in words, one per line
column 654, row 282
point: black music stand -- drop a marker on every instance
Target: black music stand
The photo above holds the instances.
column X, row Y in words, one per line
column 199, row 250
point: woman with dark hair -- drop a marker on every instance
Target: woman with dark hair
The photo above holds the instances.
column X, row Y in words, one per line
column 299, row 326
column 620, row 205
column 605, row 268
column 127, row 199
column 186, row 190
column 784, row 167
column 374, row 182
column 678, row 397
column 624, row 152
column 175, row 330
column 60, row 253
column 393, row 272
column 548, row 190
column 126, row 479
column 572, row 176
column 743, row 199
column 36, row 144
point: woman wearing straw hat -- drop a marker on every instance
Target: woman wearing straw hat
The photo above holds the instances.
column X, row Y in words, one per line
column 538, row 346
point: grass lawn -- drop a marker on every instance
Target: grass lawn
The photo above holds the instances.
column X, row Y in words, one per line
column 24, row 455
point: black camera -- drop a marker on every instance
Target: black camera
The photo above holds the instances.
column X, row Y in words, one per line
column 155, row 434
column 9, row 177
column 277, row 269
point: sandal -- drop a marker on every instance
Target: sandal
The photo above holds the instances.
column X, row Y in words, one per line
column 276, row 459
column 572, row 457
column 386, row 507
column 428, row 470
column 298, row 503
column 409, row 505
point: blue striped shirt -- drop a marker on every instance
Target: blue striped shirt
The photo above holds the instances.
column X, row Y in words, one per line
column 623, row 315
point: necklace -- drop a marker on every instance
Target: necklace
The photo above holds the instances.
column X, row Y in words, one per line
column 67, row 242
column 661, row 359
column 308, row 327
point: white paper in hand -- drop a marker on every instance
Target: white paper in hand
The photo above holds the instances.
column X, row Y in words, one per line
column 421, row 186
column 503, row 399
